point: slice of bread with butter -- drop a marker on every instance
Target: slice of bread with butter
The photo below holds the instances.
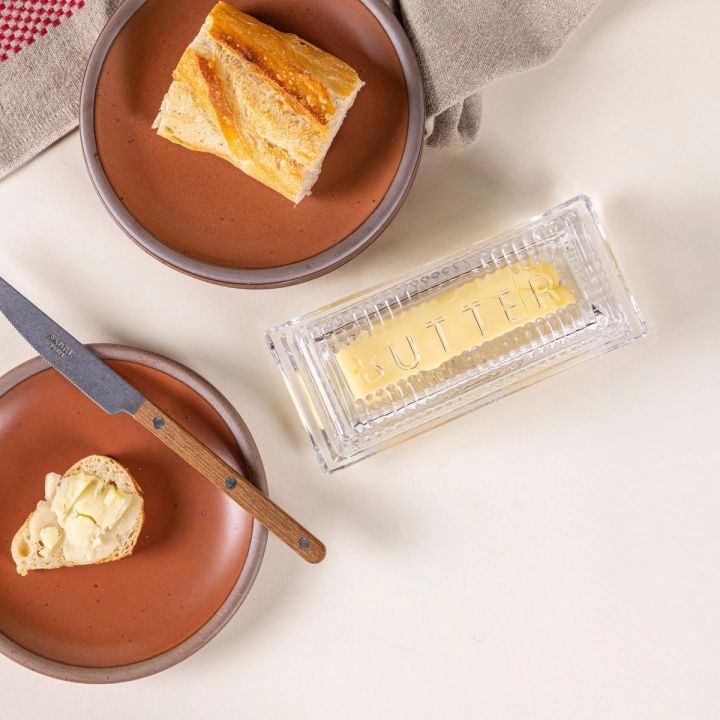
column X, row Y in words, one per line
column 91, row 514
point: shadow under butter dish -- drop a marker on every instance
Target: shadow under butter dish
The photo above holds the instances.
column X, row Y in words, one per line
column 198, row 551
column 203, row 207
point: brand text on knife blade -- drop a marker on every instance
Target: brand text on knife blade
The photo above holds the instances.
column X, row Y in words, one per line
column 59, row 347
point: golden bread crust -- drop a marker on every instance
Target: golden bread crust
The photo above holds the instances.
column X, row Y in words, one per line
column 267, row 101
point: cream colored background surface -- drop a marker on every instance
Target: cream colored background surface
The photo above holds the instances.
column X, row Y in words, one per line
column 554, row 556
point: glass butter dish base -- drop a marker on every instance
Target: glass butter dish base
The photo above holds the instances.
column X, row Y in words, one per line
column 379, row 367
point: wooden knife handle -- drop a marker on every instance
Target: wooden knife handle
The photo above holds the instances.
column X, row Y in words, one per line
column 230, row 481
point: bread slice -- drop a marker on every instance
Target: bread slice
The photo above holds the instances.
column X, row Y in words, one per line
column 268, row 102
column 62, row 532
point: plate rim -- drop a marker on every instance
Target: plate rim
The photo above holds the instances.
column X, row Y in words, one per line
column 258, row 537
column 282, row 275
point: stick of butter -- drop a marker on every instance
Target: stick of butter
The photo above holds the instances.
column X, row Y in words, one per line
column 424, row 336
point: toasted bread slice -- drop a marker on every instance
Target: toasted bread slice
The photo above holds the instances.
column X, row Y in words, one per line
column 266, row 101
column 92, row 514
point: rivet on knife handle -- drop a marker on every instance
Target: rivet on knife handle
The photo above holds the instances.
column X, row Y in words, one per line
column 230, row 481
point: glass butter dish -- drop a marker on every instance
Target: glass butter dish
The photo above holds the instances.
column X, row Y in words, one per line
column 381, row 366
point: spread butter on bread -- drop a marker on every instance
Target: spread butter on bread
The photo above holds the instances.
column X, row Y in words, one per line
column 266, row 101
column 91, row 514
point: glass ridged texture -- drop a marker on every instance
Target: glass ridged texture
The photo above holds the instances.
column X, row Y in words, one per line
column 384, row 365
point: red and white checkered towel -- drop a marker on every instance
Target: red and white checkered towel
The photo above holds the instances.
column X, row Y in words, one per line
column 44, row 47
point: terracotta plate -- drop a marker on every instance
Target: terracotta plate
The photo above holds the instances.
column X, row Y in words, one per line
column 198, row 553
column 203, row 216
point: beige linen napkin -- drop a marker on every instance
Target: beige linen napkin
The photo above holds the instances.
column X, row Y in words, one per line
column 44, row 47
column 463, row 45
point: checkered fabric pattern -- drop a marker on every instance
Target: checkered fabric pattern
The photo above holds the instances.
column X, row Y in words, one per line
column 22, row 21
column 44, row 48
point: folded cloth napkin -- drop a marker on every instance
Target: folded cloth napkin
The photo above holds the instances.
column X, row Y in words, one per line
column 44, row 47
column 461, row 45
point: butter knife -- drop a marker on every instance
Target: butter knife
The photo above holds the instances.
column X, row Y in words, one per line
column 115, row 395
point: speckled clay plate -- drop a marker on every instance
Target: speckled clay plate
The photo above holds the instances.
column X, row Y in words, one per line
column 199, row 214
column 198, row 553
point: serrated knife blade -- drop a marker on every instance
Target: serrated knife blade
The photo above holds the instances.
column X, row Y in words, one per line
column 67, row 355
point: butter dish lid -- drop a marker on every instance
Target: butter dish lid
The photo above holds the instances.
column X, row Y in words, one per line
column 383, row 365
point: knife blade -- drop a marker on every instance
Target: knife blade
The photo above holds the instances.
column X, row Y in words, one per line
column 115, row 395
column 69, row 356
